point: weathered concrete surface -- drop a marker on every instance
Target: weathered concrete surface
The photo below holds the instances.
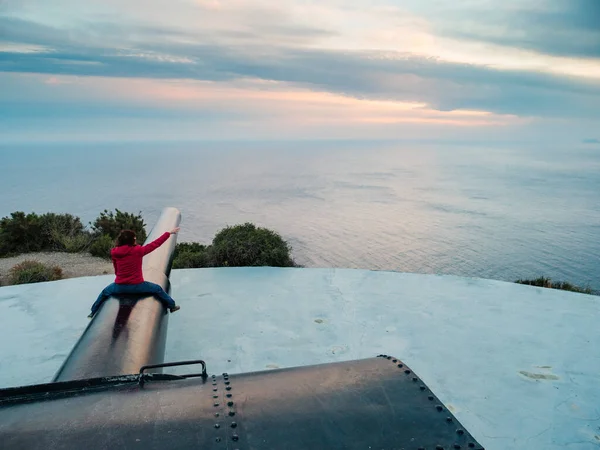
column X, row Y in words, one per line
column 518, row 365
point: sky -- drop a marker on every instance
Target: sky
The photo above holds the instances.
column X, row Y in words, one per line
column 97, row 70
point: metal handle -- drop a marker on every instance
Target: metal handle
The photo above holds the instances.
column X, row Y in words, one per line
column 204, row 375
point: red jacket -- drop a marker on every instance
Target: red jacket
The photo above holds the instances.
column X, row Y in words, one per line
column 127, row 260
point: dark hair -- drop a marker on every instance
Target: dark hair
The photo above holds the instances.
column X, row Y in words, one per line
column 126, row 237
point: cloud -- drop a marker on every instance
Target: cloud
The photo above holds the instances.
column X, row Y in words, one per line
column 591, row 141
column 554, row 27
column 373, row 75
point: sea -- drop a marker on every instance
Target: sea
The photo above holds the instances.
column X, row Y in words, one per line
column 499, row 211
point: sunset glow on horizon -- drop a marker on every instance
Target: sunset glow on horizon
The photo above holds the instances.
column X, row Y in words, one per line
column 289, row 68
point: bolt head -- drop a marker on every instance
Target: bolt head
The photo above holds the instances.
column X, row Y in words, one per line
column 235, row 437
column 230, row 403
column 422, row 388
column 233, row 425
column 459, row 431
column 231, row 413
column 228, row 388
column 439, row 407
column 217, row 425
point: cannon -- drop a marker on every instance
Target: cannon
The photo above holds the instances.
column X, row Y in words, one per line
column 112, row 392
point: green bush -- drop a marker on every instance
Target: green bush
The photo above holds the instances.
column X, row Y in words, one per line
column 24, row 233
column 64, row 233
column 562, row 285
column 58, row 228
column 247, row 245
column 74, row 244
column 190, row 255
column 111, row 224
column 240, row 245
column 20, row 233
column 192, row 260
column 101, row 246
column 188, row 247
column 31, row 271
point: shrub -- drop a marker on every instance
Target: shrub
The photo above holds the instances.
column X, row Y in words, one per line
column 101, row 246
column 24, row 233
column 20, row 233
column 64, row 232
column 31, row 271
column 190, row 255
column 192, row 260
column 247, row 245
column 562, row 285
column 73, row 244
column 188, row 247
column 111, row 224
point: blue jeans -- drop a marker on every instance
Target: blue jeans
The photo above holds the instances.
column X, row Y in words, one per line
column 143, row 288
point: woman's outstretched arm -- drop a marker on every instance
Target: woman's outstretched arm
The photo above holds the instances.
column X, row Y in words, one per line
column 158, row 242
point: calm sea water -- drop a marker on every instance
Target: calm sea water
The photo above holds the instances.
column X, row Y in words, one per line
column 477, row 210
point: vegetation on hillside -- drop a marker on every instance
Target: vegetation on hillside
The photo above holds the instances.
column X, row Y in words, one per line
column 26, row 233
column 233, row 246
column 562, row 285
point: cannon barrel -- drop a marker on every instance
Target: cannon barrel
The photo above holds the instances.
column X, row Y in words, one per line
column 130, row 331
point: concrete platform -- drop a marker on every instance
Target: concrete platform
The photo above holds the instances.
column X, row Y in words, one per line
column 517, row 365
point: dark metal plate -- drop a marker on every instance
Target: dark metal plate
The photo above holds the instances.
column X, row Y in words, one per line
column 376, row 403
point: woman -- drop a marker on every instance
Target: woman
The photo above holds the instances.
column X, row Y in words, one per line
column 127, row 260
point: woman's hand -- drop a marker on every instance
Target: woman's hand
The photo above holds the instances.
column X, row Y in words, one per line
column 175, row 230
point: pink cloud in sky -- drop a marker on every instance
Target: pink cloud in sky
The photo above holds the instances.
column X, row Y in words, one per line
column 273, row 102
